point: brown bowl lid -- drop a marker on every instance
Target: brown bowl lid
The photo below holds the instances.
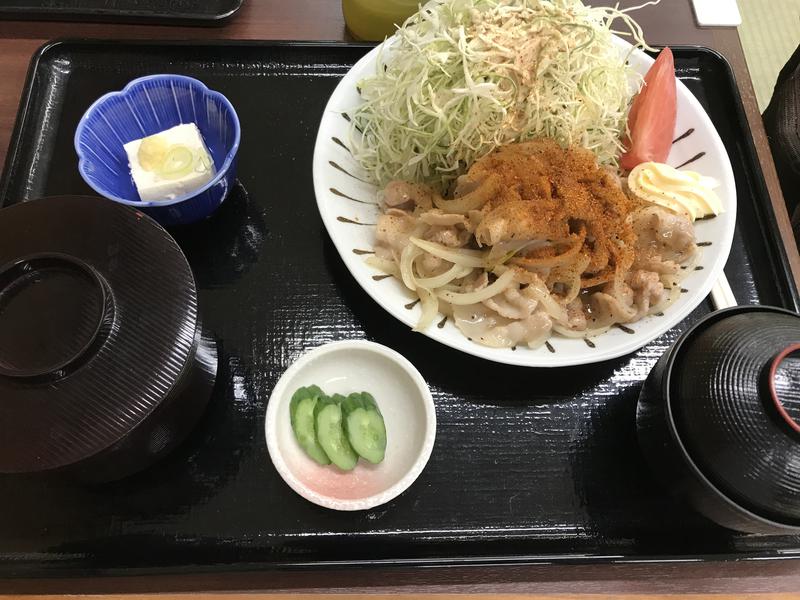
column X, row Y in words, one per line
column 98, row 313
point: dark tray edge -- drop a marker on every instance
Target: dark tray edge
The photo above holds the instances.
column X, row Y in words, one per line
column 22, row 111
column 41, row 580
column 165, row 18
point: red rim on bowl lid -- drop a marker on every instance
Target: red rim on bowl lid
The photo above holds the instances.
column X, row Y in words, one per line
column 781, row 381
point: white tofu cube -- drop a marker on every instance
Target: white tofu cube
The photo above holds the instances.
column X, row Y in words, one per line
column 162, row 183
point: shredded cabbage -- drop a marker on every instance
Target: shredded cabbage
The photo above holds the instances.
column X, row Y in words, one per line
column 465, row 76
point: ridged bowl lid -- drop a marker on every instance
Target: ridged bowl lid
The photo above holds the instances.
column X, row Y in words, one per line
column 98, row 312
column 735, row 393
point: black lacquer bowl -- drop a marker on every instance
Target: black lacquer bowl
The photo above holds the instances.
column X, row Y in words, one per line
column 719, row 418
column 103, row 364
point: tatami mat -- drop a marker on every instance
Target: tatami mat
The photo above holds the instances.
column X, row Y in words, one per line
column 770, row 33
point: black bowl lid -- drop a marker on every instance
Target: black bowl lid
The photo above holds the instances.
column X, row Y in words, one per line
column 98, row 313
column 733, row 394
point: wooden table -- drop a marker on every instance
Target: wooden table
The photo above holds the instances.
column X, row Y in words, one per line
column 671, row 22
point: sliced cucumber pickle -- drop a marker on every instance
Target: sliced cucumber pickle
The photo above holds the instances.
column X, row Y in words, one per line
column 364, row 426
column 301, row 413
column 331, row 435
column 338, row 398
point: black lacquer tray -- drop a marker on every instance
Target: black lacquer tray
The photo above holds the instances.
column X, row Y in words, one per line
column 155, row 12
column 530, row 465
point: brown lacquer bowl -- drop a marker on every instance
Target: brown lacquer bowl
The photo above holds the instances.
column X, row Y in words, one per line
column 719, row 418
column 103, row 364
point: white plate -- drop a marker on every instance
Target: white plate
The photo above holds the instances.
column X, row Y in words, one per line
column 343, row 198
column 408, row 411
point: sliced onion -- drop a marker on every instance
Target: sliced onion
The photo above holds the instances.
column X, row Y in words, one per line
column 454, row 272
column 550, row 261
column 407, row 257
column 504, row 251
column 502, row 282
column 474, row 200
column 570, row 277
column 586, row 333
column 387, row 266
column 430, row 308
column 542, row 294
column 457, row 256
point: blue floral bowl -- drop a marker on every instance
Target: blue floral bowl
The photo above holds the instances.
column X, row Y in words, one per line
column 147, row 106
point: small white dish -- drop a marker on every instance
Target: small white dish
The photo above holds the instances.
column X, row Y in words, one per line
column 408, row 411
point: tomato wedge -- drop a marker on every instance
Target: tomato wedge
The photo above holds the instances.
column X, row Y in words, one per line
column 651, row 121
